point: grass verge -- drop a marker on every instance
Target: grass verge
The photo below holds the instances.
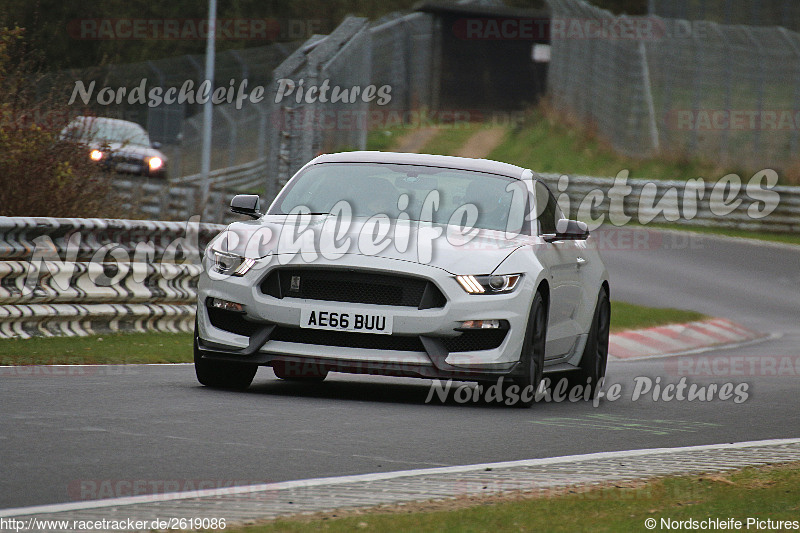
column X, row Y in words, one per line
column 629, row 316
column 385, row 138
column 546, row 143
column 758, row 493
column 451, row 138
column 135, row 348
column 116, row 348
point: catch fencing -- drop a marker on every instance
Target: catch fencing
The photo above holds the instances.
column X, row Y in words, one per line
column 256, row 147
column 784, row 13
column 395, row 53
column 655, row 85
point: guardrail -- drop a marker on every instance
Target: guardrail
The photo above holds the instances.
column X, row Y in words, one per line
column 167, row 201
column 86, row 276
column 246, row 176
column 83, row 276
column 706, row 204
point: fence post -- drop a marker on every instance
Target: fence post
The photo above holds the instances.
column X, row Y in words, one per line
column 793, row 147
column 760, row 78
column 648, row 95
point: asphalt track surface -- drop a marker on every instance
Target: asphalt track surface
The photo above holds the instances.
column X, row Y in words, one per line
column 73, row 434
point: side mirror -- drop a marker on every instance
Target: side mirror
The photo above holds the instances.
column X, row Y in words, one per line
column 570, row 230
column 156, row 145
column 246, row 204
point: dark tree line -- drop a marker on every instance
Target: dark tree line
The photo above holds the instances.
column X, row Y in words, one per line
column 51, row 24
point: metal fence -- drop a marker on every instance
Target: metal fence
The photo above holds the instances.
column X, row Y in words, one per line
column 694, row 88
column 256, row 147
column 784, row 13
column 394, row 53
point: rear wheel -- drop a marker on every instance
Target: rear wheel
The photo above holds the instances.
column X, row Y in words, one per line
column 291, row 371
column 532, row 355
column 220, row 374
column 595, row 356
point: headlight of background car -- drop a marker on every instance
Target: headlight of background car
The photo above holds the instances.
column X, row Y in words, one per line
column 228, row 264
column 489, row 284
column 155, row 163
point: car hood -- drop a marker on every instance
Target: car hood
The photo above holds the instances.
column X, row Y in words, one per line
column 315, row 241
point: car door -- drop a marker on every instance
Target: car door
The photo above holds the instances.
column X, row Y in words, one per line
column 561, row 260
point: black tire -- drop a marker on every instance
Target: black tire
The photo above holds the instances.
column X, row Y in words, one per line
column 299, row 371
column 532, row 354
column 222, row 375
column 592, row 368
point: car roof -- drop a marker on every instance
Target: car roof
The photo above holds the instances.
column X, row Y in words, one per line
column 444, row 161
column 112, row 121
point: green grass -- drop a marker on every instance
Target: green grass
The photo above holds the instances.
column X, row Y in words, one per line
column 133, row 348
column 117, row 348
column 546, row 144
column 761, row 493
column 451, row 138
column 385, row 138
column 628, row 316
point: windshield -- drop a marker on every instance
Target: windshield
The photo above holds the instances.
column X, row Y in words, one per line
column 482, row 200
column 105, row 131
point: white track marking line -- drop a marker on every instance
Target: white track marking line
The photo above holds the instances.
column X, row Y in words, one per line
column 341, row 480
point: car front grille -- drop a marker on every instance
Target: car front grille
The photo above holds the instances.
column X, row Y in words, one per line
column 128, row 160
column 336, row 285
column 465, row 342
column 346, row 339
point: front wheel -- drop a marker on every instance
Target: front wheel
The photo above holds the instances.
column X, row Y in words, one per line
column 220, row 374
column 532, row 355
column 592, row 368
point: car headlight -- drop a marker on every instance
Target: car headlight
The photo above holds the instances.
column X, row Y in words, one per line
column 489, row 284
column 95, row 155
column 155, row 163
column 229, row 264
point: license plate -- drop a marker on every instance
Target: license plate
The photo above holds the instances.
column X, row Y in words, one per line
column 338, row 321
column 128, row 167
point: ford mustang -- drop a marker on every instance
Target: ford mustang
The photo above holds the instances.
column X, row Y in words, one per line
column 404, row 265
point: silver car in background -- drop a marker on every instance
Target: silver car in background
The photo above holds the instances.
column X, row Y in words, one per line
column 404, row 265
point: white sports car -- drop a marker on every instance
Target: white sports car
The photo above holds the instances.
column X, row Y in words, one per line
column 404, row 265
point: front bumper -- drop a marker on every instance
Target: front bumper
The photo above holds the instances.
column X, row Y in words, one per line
column 424, row 342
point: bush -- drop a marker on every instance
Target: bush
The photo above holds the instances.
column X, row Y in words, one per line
column 40, row 174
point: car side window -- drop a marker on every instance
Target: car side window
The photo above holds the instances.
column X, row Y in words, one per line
column 546, row 209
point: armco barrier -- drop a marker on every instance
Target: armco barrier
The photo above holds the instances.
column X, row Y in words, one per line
column 61, row 276
column 180, row 200
column 78, row 276
column 674, row 202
